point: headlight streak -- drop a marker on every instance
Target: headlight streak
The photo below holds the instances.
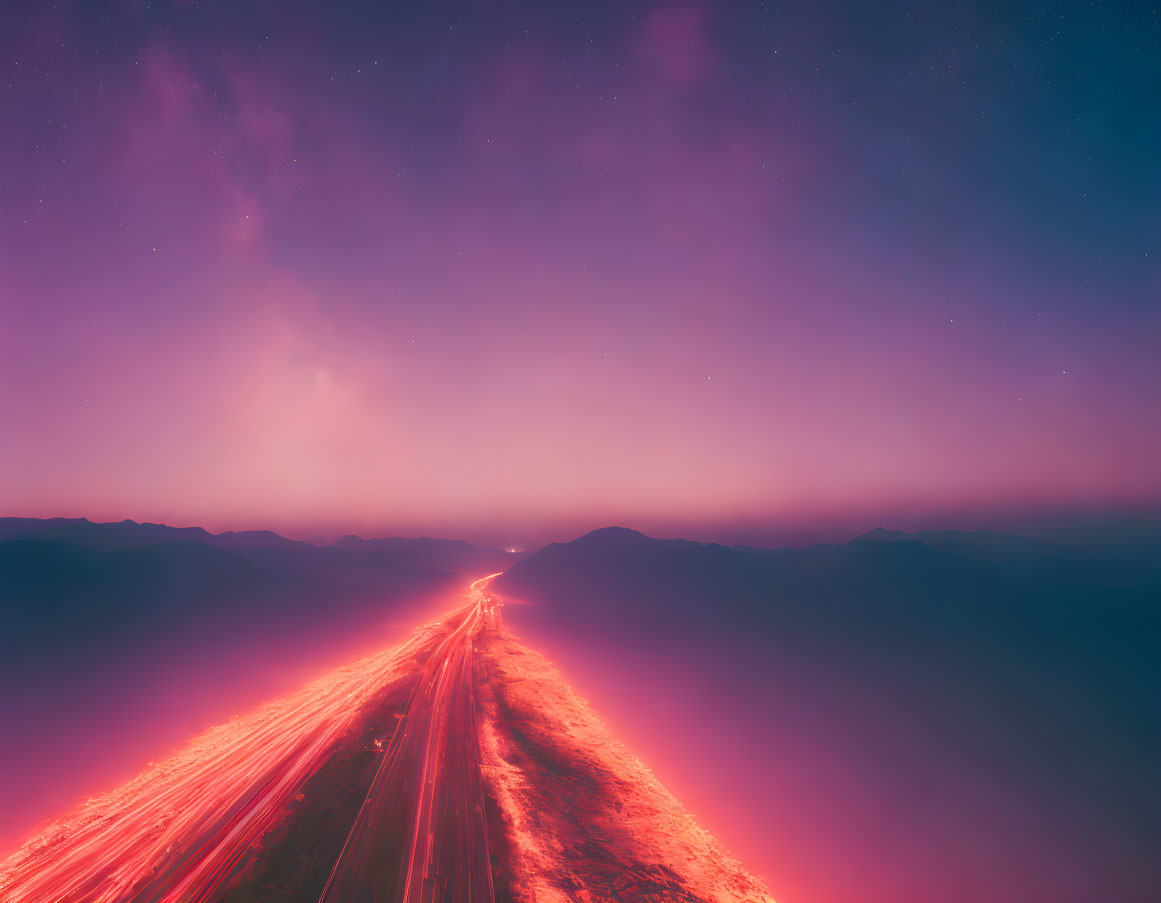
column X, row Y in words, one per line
column 442, row 846
column 176, row 832
column 488, row 731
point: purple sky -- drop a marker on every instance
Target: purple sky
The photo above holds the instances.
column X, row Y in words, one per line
column 511, row 274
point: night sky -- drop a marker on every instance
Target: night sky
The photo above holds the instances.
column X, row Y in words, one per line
column 510, row 271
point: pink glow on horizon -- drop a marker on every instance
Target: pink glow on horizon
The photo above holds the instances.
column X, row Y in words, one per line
column 277, row 317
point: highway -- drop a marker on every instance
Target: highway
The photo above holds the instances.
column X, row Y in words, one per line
column 189, row 829
column 368, row 786
column 421, row 835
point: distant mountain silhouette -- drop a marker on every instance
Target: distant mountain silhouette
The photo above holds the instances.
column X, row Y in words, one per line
column 271, row 550
column 22, row 527
column 999, row 687
column 982, row 544
column 108, row 537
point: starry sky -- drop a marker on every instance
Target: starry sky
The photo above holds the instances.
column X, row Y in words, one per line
column 511, row 271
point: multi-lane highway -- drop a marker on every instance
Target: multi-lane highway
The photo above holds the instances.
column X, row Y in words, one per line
column 421, row 834
column 458, row 768
column 195, row 827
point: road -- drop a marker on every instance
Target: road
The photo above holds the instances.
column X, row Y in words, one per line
column 421, row 835
column 193, row 828
column 367, row 787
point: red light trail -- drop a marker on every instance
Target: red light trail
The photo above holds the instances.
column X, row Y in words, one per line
column 458, row 767
column 444, row 854
column 176, row 832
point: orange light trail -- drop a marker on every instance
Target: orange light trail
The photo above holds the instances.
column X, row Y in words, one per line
column 177, row 832
column 492, row 764
column 445, row 850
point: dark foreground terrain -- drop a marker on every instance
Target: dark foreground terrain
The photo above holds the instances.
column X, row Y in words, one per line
column 958, row 716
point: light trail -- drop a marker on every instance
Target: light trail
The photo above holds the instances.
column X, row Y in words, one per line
column 426, row 840
column 457, row 736
column 177, row 832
